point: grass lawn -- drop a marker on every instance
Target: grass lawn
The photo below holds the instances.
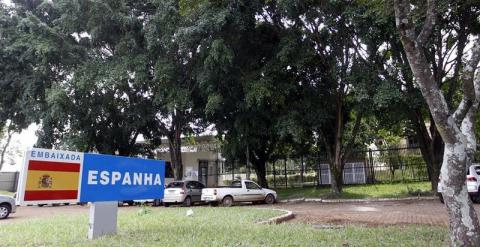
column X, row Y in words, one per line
column 210, row 227
column 6, row 193
column 396, row 190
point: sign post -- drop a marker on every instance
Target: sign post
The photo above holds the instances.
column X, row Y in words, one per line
column 103, row 219
column 54, row 176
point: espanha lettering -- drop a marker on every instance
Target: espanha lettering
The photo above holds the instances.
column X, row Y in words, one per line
column 127, row 178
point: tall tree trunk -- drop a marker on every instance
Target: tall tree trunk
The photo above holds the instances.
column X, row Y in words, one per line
column 174, row 135
column 431, row 146
column 260, row 169
column 175, row 148
column 464, row 226
column 336, row 178
column 336, row 167
column 437, row 149
column 468, row 126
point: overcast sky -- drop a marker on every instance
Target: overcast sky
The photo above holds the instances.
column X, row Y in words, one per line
column 24, row 140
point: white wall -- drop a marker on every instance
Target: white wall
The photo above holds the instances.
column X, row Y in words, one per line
column 190, row 164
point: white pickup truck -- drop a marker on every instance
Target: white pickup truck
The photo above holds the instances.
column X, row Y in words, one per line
column 239, row 191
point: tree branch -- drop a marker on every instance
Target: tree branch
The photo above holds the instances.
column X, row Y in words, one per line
column 428, row 24
column 356, row 128
column 402, row 20
column 422, row 72
column 328, row 149
column 5, row 147
column 467, row 76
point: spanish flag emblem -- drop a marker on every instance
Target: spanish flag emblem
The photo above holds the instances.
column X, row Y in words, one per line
column 48, row 180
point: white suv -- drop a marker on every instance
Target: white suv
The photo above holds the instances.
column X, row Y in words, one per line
column 473, row 184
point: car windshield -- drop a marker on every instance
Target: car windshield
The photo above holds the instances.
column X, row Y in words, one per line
column 175, row 185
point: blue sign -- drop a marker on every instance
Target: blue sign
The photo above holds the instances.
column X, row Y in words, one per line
column 116, row 178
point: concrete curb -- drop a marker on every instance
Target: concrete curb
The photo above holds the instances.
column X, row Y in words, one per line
column 320, row 200
column 279, row 219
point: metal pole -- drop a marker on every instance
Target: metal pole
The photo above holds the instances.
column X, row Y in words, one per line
column 301, row 169
column 274, row 173
column 216, row 171
column 248, row 163
column 286, row 182
column 319, row 172
column 233, row 170
column 372, row 169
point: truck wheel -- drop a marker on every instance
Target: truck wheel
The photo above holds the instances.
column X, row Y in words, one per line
column 269, row 199
column 187, row 202
column 227, row 201
column 4, row 211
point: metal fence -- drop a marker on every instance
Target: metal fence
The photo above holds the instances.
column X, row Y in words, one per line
column 364, row 167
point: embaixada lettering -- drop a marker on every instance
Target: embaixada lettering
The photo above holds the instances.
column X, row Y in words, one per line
column 55, row 155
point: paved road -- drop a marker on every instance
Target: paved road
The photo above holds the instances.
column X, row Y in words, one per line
column 430, row 212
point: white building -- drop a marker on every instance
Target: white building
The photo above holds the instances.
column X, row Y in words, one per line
column 202, row 160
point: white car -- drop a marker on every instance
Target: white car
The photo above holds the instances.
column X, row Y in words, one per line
column 473, row 184
column 184, row 192
column 7, row 206
column 239, row 191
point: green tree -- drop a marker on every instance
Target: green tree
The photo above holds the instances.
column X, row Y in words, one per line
column 33, row 56
column 246, row 89
column 101, row 104
column 444, row 53
column 338, row 85
column 456, row 127
column 177, row 36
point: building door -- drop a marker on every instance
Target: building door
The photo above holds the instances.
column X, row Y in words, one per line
column 203, row 172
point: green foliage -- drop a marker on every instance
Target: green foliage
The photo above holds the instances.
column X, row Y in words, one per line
column 390, row 190
column 274, row 77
